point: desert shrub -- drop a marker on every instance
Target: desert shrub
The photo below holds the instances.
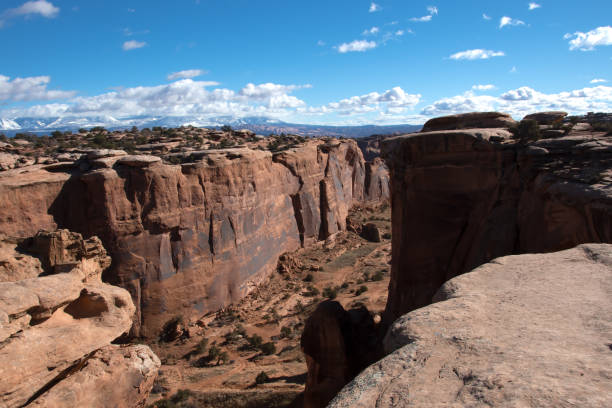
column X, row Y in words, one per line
column 170, row 331
column 180, row 396
column 386, row 235
column 345, row 285
column 378, row 276
column 311, row 292
column 255, row 341
column 361, row 290
column 213, row 352
column 268, row 348
column 262, row 378
column 285, row 332
column 201, row 346
column 299, row 307
column 308, row 278
column 526, row 130
column 602, row 127
column 330, row 293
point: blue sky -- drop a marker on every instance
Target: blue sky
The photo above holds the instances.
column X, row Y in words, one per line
column 335, row 61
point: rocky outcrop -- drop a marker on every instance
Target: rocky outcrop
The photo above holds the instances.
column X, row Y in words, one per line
column 469, row 121
column 547, row 118
column 56, row 327
column 338, row 344
column 463, row 197
column 190, row 238
column 528, row 330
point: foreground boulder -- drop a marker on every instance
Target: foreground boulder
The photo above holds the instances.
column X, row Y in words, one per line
column 527, row 330
column 56, row 328
column 470, row 121
column 547, row 118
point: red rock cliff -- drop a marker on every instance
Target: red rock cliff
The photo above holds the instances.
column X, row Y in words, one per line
column 463, row 197
column 186, row 239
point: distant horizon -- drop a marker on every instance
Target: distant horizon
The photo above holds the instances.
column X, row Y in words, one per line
column 348, row 63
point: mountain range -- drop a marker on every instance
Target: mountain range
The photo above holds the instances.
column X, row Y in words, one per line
column 258, row 124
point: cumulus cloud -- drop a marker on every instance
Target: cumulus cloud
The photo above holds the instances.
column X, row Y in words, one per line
column 431, row 11
column 188, row 73
column 29, row 89
column 133, row 44
column 486, row 17
column 507, row 21
column 598, row 81
column 39, row 7
column 185, row 97
column 372, row 31
column 533, row 6
column 487, row 87
column 524, row 100
column 374, row 7
column 589, row 40
column 476, row 54
column 356, row 46
column 394, row 100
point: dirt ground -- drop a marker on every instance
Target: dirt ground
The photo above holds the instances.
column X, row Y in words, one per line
column 219, row 360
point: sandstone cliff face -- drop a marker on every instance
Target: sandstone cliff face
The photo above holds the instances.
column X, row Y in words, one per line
column 190, row 238
column 463, row 197
column 528, row 330
column 56, row 324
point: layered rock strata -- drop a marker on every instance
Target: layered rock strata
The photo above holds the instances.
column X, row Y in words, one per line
column 528, row 330
column 190, row 238
column 463, row 197
column 57, row 320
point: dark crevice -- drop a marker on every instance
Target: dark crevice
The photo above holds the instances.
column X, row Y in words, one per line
column 211, row 229
column 324, row 209
column 78, row 365
column 297, row 212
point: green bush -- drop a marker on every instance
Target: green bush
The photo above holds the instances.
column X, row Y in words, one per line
column 308, row 278
column 527, row 130
column 330, row 293
column 361, row 290
column 262, row 378
column 201, row 346
column 378, row 276
column 285, row 332
column 268, row 348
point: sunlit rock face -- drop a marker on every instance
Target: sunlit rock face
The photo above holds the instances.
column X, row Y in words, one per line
column 187, row 239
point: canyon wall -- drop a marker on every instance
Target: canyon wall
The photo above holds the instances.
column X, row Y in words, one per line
column 463, row 197
column 191, row 238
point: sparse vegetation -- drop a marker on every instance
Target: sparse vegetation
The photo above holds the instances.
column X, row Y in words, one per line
column 360, row 290
column 526, row 131
column 262, row 378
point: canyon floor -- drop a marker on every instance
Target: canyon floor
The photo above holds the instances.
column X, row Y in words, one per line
column 216, row 360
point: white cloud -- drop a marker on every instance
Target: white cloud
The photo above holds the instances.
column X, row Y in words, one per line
column 476, row 54
column 507, row 21
column 399, row 33
column 356, row 46
column 321, row 43
column 188, row 73
column 432, row 11
column 533, row 6
column 133, row 44
column 29, row 89
column 374, row 7
column 524, row 100
column 598, row 81
column 38, row 7
column 588, row 41
column 487, row 87
column 394, row 100
column 486, row 17
column 372, row 31
column 513, row 70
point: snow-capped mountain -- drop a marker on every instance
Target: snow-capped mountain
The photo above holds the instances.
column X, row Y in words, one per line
column 259, row 124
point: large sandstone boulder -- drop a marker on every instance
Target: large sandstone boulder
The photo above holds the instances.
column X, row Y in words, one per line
column 470, row 120
column 54, row 323
column 521, row 331
column 546, row 118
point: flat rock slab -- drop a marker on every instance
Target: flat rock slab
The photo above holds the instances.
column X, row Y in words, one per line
column 521, row 331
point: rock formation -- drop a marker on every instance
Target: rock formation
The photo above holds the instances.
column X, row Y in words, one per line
column 469, row 121
column 190, row 238
column 57, row 320
column 526, row 330
column 463, row 197
column 338, row 344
